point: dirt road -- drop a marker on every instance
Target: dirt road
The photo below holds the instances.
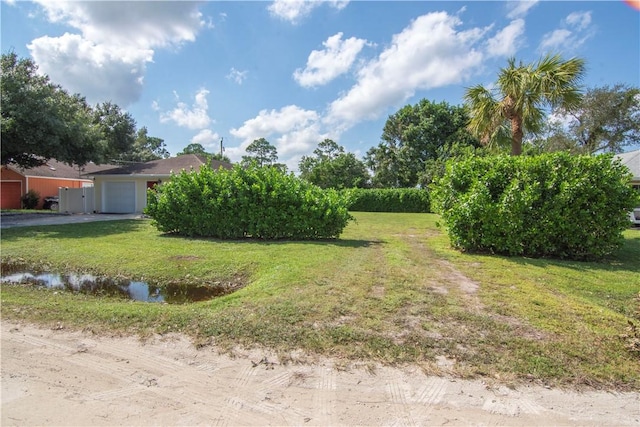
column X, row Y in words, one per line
column 58, row 377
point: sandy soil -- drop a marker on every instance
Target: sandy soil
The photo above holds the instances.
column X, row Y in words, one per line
column 58, row 377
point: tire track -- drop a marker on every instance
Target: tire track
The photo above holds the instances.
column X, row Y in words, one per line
column 324, row 395
column 399, row 404
column 427, row 396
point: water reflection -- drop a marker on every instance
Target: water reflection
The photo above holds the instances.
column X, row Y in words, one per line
column 135, row 290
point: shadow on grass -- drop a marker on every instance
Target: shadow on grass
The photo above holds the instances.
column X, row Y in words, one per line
column 78, row 230
column 627, row 258
column 346, row 243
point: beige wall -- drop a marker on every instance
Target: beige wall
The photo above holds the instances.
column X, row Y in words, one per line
column 140, row 189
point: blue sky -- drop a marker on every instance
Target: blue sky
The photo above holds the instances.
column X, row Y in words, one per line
column 296, row 72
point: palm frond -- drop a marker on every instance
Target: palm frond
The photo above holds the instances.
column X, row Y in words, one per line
column 559, row 80
column 485, row 112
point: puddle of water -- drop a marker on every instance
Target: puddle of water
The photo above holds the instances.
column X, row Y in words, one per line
column 135, row 290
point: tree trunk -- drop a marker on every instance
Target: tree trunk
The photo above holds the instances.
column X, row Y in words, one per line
column 516, row 135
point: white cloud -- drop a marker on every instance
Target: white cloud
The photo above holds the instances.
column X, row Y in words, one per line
column 518, row 9
column 579, row 20
column 507, row 40
column 107, row 60
column 208, row 139
column 555, row 39
column 575, row 29
column 141, row 24
column 295, row 10
column 195, row 117
column 237, row 76
column 292, row 130
column 98, row 72
column 325, row 65
column 300, row 141
column 429, row 53
column 267, row 123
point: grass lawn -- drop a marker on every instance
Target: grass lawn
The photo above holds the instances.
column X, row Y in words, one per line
column 391, row 290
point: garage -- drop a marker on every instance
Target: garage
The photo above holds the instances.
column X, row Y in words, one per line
column 119, row 197
column 11, row 194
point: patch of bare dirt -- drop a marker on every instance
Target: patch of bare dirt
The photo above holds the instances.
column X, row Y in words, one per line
column 60, row 377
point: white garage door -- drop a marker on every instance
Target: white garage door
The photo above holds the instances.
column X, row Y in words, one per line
column 119, row 197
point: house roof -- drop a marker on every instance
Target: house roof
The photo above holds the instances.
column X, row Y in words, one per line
column 632, row 161
column 163, row 167
column 56, row 169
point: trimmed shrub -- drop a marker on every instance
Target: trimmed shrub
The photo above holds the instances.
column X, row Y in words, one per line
column 254, row 202
column 389, row 200
column 552, row 205
column 31, row 199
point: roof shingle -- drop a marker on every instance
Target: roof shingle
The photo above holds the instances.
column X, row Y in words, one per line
column 163, row 167
column 632, row 161
column 56, row 169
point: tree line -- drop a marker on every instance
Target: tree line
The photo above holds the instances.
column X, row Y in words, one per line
column 511, row 116
column 41, row 120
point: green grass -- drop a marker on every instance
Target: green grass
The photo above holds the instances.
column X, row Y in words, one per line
column 390, row 290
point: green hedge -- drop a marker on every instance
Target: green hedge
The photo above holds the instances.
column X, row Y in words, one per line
column 253, row 202
column 552, row 205
column 389, row 200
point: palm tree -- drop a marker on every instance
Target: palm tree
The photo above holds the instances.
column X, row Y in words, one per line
column 516, row 104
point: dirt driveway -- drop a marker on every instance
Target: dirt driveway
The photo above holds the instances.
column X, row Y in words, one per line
column 59, row 377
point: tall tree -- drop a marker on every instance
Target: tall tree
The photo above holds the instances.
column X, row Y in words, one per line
column 40, row 120
column 198, row 149
column 260, row 152
column 193, row 148
column 331, row 167
column 411, row 137
column 607, row 120
column 146, row 148
column 220, row 157
column 118, row 131
column 516, row 103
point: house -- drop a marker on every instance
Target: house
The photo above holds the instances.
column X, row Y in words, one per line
column 46, row 179
column 632, row 161
column 124, row 189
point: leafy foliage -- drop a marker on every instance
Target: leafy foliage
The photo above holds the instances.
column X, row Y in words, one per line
column 413, row 136
column 252, row 202
column 198, row 149
column 193, row 148
column 146, row 148
column 117, row 129
column 435, row 168
column 607, row 120
column 261, row 153
column 522, row 92
column 331, row 167
column 552, row 205
column 389, row 200
column 40, row 120
column 31, row 199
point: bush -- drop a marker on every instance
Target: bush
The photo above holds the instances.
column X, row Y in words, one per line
column 552, row 205
column 31, row 199
column 255, row 202
column 389, row 200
